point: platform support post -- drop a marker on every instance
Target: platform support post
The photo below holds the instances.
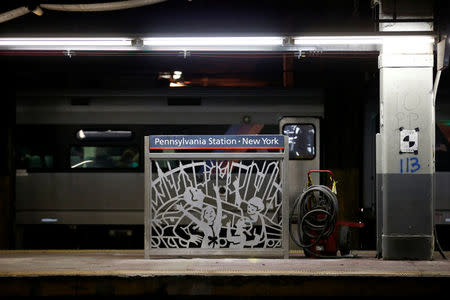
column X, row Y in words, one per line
column 407, row 130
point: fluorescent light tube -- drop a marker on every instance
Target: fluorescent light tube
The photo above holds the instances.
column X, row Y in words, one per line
column 214, row 41
column 336, row 40
column 65, row 42
column 359, row 40
column 408, row 39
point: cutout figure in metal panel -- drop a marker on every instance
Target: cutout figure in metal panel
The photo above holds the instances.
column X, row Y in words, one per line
column 217, row 204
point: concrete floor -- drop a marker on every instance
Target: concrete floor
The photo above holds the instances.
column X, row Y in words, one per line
column 126, row 272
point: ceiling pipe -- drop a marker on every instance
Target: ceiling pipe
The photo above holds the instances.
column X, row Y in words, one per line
column 12, row 14
column 93, row 7
column 117, row 5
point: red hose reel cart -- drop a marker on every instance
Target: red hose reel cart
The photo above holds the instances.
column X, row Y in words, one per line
column 320, row 233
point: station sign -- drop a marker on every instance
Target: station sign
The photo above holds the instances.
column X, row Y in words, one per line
column 183, row 142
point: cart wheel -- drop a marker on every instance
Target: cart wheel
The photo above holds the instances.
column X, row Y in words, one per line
column 344, row 240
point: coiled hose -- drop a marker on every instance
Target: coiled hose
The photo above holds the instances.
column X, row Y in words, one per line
column 317, row 210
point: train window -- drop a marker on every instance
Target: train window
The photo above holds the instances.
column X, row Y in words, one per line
column 302, row 140
column 90, row 135
column 34, row 158
column 104, row 157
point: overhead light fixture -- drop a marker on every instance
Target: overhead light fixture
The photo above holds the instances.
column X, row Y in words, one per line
column 65, row 43
column 177, row 84
column 409, row 39
column 336, row 40
column 186, row 44
column 145, row 44
column 214, row 41
column 359, row 43
column 358, row 40
column 177, row 75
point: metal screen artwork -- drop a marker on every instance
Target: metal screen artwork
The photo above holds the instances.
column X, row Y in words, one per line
column 210, row 204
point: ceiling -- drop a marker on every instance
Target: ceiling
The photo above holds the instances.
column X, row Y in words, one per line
column 191, row 18
column 199, row 17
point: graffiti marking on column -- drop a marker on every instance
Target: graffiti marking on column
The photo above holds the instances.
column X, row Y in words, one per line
column 409, row 165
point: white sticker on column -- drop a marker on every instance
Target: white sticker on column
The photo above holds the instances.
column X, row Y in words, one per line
column 409, row 140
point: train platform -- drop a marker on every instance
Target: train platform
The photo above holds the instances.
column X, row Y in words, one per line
column 127, row 272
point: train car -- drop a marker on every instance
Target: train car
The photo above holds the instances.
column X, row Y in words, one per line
column 80, row 159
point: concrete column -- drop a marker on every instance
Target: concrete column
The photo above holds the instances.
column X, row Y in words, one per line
column 407, row 130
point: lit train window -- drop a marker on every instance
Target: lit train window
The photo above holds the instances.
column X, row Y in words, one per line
column 302, row 140
column 92, row 135
column 104, row 157
column 35, row 157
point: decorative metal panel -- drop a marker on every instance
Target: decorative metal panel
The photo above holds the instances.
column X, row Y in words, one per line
column 216, row 204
